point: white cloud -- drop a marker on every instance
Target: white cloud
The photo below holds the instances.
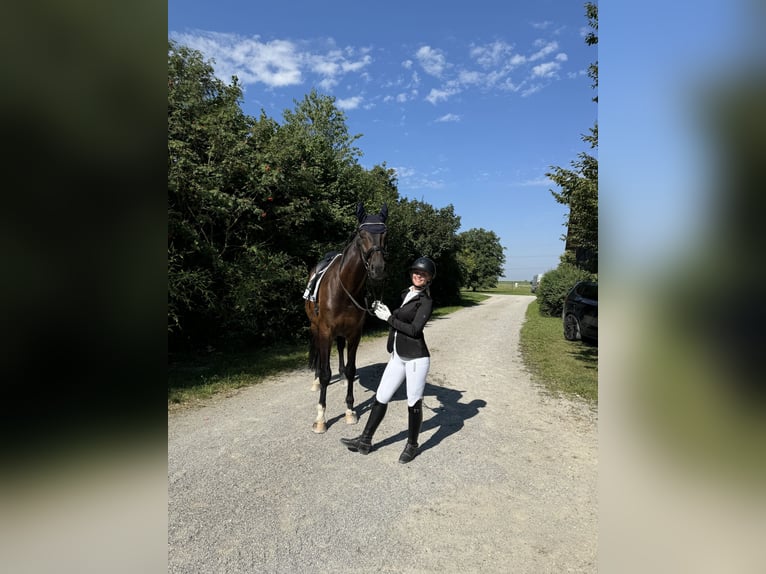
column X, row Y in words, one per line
column 466, row 77
column 533, row 89
column 428, row 183
column 508, row 85
column 336, row 63
column 493, row 54
column 517, row 60
column 410, row 179
column 542, row 25
column 280, row 63
column 432, row 61
column 404, row 172
column 546, row 70
column 356, row 66
column 276, row 63
column 327, row 84
column 448, row 118
column 349, row 103
column 324, row 65
column 546, row 48
column 435, row 95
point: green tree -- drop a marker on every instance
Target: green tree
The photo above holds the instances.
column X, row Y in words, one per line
column 417, row 229
column 555, row 285
column 480, row 258
column 212, row 208
column 579, row 185
column 591, row 39
column 252, row 204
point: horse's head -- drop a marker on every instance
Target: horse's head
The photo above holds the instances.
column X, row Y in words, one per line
column 371, row 239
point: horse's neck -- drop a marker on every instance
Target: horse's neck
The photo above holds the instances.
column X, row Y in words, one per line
column 352, row 270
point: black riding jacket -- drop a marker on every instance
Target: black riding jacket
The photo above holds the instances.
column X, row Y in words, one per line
column 407, row 323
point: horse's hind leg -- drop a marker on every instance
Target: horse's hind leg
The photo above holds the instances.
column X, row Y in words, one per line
column 315, row 383
column 314, row 349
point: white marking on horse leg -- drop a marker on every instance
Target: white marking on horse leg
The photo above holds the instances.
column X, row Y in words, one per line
column 351, row 418
column 320, row 425
column 315, row 384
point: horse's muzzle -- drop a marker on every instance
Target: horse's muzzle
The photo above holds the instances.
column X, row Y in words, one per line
column 376, row 269
column 377, row 272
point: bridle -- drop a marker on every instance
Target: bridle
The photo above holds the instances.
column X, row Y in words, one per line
column 365, row 257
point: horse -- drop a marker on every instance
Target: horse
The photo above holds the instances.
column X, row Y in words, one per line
column 339, row 310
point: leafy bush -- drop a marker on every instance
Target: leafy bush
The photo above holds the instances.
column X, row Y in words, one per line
column 555, row 285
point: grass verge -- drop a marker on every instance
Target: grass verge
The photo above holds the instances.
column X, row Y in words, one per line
column 568, row 367
column 192, row 379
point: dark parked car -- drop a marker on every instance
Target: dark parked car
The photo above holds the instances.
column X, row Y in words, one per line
column 580, row 314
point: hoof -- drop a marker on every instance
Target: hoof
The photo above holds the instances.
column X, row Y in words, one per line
column 315, row 387
column 351, row 418
column 319, row 428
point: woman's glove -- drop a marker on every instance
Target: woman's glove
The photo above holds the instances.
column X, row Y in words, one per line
column 381, row 310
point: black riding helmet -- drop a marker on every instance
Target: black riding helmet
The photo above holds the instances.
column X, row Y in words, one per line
column 424, row 264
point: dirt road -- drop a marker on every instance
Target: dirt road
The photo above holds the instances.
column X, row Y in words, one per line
column 506, row 480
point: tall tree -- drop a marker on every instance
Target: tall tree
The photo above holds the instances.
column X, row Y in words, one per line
column 211, row 206
column 480, row 258
column 253, row 203
column 417, row 229
column 579, row 185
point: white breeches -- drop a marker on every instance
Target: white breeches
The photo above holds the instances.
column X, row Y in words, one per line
column 397, row 370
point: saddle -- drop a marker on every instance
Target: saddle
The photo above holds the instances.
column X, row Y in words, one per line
column 312, row 288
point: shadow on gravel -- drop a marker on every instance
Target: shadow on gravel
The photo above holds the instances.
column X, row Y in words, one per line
column 448, row 414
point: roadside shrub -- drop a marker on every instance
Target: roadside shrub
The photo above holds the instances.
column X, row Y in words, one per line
column 555, row 285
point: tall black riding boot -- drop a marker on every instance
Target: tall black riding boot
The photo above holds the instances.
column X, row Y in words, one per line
column 363, row 443
column 415, row 420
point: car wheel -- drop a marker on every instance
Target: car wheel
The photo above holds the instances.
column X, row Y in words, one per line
column 571, row 328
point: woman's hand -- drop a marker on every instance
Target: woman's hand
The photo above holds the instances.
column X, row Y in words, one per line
column 381, row 310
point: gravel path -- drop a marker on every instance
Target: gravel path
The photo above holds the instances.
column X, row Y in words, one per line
column 506, row 480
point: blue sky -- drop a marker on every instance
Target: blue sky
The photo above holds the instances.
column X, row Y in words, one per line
column 658, row 61
column 470, row 102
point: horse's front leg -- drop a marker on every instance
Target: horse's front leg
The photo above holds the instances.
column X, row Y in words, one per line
column 320, row 424
column 351, row 417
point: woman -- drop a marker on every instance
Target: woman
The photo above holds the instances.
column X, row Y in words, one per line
column 410, row 359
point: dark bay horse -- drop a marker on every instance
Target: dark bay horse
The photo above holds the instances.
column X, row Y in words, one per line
column 338, row 313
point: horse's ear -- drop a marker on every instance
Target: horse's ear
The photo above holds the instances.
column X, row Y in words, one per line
column 360, row 213
column 384, row 212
